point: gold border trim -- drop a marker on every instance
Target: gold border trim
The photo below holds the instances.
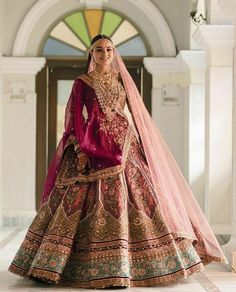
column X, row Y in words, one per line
column 103, row 173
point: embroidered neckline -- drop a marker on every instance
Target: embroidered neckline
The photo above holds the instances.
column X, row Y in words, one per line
column 108, row 91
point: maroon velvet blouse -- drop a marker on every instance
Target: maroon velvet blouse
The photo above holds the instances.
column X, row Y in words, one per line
column 99, row 146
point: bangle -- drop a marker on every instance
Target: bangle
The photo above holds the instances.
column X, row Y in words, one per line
column 77, row 146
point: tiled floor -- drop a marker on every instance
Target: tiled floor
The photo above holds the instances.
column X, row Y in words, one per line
column 216, row 277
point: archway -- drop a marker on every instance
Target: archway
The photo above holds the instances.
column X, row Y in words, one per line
column 43, row 15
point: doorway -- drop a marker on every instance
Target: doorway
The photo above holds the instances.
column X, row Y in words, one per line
column 53, row 85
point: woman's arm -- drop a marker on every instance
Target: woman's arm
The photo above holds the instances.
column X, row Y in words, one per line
column 92, row 142
column 78, row 97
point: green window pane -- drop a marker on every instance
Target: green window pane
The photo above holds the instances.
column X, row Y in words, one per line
column 110, row 23
column 77, row 24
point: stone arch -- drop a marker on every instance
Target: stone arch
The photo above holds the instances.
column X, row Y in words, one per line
column 44, row 14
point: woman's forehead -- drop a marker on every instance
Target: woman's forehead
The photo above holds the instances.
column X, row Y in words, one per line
column 103, row 43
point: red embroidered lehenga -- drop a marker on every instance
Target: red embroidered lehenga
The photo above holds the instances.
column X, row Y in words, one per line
column 105, row 226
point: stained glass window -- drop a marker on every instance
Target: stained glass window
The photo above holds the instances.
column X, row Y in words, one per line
column 72, row 36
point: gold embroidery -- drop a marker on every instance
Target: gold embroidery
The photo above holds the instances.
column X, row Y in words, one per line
column 94, row 175
column 102, row 234
column 86, row 79
column 108, row 96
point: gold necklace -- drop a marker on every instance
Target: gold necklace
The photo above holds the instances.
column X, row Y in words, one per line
column 108, row 96
column 105, row 78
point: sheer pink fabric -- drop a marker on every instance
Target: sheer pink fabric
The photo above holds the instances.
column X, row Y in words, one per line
column 55, row 163
column 179, row 207
column 181, row 212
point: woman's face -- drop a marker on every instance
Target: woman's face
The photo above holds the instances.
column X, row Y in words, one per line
column 103, row 52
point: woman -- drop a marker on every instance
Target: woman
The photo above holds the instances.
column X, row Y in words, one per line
column 116, row 210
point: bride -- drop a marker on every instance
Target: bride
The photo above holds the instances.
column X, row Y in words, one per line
column 116, row 210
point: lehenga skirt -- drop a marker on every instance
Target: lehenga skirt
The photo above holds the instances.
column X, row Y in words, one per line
column 109, row 232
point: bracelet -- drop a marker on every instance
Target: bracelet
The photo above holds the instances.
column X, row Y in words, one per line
column 76, row 146
column 81, row 154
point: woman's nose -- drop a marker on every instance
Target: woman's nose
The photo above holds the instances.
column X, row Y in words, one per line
column 104, row 52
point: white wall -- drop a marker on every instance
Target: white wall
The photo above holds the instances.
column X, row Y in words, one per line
column 215, row 15
column 19, row 144
column 170, row 116
column 14, row 12
column 1, row 105
column 178, row 109
column 19, row 139
column 176, row 14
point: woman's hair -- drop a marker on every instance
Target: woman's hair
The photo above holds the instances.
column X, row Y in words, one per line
column 96, row 38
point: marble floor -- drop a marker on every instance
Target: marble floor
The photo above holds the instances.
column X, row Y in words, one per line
column 216, row 277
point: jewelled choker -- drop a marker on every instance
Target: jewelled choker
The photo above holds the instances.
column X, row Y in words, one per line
column 104, row 78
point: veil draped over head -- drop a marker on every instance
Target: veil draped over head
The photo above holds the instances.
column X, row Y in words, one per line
column 181, row 212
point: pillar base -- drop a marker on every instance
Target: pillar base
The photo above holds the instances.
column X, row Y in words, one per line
column 229, row 250
column 22, row 218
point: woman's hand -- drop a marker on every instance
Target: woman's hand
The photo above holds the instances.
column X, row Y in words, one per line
column 83, row 160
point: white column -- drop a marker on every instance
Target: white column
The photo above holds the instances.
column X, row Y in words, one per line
column 228, row 8
column 168, row 102
column 194, row 65
column 182, row 79
column 217, row 40
column 214, row 13
column 19, row 138
column 1, row 107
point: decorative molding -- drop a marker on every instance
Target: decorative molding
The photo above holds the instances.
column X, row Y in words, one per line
column 155, row 65
column 192, row 59
column 22, row 65
column 215, row 36
column 147, row 8
column 228, row 7
column 183, row 62
column 93, row 3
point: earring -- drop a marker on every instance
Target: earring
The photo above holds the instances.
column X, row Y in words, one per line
column 93, row 64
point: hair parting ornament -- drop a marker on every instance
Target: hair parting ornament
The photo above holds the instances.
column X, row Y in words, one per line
column 98, row 39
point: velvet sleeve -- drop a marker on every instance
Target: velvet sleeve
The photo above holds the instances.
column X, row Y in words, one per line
column 92, row 142
column 78, row 94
